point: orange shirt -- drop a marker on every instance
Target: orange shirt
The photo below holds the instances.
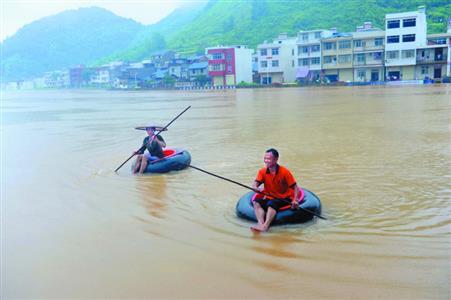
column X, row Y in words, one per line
column 280, row 185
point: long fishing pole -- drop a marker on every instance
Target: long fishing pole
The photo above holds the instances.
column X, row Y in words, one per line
column 250, row 188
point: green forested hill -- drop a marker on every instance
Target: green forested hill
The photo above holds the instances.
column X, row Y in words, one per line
column 94, row 35
column 251, row 22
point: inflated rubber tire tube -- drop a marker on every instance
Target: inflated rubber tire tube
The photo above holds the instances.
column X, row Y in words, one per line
column 311, row 202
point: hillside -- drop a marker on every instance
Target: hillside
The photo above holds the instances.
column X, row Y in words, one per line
column 153, row 37
column 251, row 22
column 93, row 36
column 67, row 39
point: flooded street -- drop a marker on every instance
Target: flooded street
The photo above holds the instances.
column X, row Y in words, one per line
column 378, row 157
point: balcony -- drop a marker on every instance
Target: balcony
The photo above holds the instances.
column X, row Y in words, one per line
column 432, row 60
column 329, row 51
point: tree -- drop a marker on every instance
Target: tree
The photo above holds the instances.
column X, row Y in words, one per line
column 168, row 80
column 202, row 80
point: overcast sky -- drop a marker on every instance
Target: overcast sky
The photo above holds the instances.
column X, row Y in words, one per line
column 17, row 13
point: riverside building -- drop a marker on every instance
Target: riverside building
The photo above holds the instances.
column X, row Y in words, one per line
column 276, row 60
column 309, row 60
column 229, row 65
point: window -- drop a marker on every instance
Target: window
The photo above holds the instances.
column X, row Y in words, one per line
column 305, row 61
column 409, row 23
column 424, row 70
column 275, row 51
column 229, row 57
column 361, row 74
column 391, row 39
column 263, row 64
column 329, row 59
column 217, row 55
column 315, row 48
column 377, row 56
column 378, row 42
column 408, row 38
column 317, row 35
column 305, row 36
column 393, row 24
column 216, row 67
column 357, row 43
column 292, row 52
column 315, row 60
column 292, row 63
column 392, row 54
column 229, row 68
column 344, row 58
column 275, row 63
column 344, row 44
column 304, row 49
column 263, row 52
column 408, row 53
column 361, row 58
column 329, row 45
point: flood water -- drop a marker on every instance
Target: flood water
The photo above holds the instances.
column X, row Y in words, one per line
column 378, row 157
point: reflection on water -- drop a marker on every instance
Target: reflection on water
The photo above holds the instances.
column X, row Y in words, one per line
column 153, row 190
column 378, row 157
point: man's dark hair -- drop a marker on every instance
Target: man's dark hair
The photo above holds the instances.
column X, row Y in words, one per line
column 274, row 152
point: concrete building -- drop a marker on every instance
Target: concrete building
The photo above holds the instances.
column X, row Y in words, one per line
column 405, row 32
column 276, row 60
column 101, row 76
column 198, row 69
column 229, row 65
column 368, row 53
column 432, row 60
column 308, row 61
column 337, row 57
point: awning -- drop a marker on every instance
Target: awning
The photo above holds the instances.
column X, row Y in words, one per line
column 302, row 72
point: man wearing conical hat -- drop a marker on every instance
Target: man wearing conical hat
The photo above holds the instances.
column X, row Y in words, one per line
column 154, row 145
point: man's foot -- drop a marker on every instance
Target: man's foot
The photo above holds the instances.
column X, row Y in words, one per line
column 259, row 228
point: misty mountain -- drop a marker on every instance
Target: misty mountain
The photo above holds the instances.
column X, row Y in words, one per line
column 64, row 40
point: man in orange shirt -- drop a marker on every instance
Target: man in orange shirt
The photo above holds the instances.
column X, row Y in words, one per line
column 280, row 189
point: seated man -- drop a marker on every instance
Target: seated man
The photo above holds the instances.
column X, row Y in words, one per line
column 279, row 189
column 154, row 145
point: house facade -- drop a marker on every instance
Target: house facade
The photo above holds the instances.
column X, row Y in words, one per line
column 276, row 60
column 229, row 65
column 404, row 33
column 368, row 53
column 308, row 61
column 337, row 57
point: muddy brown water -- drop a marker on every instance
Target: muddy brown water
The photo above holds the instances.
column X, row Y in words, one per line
column 378, row 157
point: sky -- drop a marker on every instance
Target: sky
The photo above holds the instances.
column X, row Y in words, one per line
column 17, row 13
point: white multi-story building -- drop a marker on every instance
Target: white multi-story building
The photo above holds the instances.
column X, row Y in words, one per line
column 308, row 60
column 276, row 60
column 405, row 32
column 101, row 76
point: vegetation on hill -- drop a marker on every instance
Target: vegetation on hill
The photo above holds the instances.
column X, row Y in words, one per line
column 251, row 22
column 93, row 36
